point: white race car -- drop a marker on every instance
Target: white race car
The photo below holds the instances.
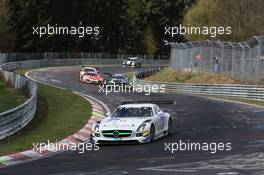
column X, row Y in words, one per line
column 138, row 123
column 132, row 62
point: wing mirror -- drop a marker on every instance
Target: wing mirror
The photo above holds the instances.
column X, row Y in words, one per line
column 160, row 112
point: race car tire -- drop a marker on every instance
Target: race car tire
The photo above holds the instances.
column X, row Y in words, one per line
column 169, row 127
column 152, row 134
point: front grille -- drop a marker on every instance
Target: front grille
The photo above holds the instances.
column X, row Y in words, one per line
column 117, row 133
column 127, row 142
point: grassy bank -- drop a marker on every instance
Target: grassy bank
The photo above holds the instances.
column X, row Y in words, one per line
column 170, row 75
column 59, row 113
column 10, row 98
column 129, row 75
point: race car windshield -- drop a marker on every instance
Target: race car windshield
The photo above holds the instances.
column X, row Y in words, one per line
column 133, row 112
column 132, row 59
column 89, row 70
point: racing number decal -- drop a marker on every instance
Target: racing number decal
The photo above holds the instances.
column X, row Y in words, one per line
column 162, row 121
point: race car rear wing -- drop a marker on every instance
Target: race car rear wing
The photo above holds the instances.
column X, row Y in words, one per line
column 167, row 102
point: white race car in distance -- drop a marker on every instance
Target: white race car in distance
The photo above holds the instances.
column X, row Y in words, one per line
column 132, row 62
column 137, row 123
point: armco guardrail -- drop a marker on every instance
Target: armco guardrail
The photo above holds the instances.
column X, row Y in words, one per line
column 15, row 119
column 253, row 92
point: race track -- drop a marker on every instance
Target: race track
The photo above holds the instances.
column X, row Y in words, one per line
column 195, row 119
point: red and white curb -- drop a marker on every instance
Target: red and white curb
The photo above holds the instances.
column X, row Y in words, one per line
column 83, row 135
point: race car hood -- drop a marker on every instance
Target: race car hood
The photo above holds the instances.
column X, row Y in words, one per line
column 122, row 123
column 94, row 77
column 128, row 61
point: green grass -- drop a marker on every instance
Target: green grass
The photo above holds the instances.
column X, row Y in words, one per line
column 10, row 98
column 170, row 75
column 22, row 71
column 59, row 113
column 129, row 75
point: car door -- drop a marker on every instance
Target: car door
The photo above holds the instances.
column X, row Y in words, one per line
column 160, row 119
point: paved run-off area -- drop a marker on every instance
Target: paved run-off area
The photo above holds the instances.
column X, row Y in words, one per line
column 196, row 119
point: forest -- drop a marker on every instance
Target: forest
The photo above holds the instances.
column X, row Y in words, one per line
column 126, row 26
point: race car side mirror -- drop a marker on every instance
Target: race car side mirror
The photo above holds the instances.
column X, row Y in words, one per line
column 160, row 112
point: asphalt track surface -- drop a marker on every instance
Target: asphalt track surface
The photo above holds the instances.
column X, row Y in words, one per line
column 195, row 119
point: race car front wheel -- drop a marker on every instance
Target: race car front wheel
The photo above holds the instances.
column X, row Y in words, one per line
column 152, row 134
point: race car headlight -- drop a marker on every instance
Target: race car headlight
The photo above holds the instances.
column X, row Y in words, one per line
column 133, row 63
column 96, row 128
column 142, row 131
column 141, row 128
column 96, row 131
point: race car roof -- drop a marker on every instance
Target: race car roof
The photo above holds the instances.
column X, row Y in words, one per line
column 91, row 68
column 141, row 105
column 133, row 58
column 117, row 76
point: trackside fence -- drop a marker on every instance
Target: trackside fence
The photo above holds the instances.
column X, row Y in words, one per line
column 243, row 61
column 20, row 56
column 15, row 119
column 251, row 92
column 72, row 62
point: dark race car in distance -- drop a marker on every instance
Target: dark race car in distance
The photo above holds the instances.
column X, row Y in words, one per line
column 117, row 79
